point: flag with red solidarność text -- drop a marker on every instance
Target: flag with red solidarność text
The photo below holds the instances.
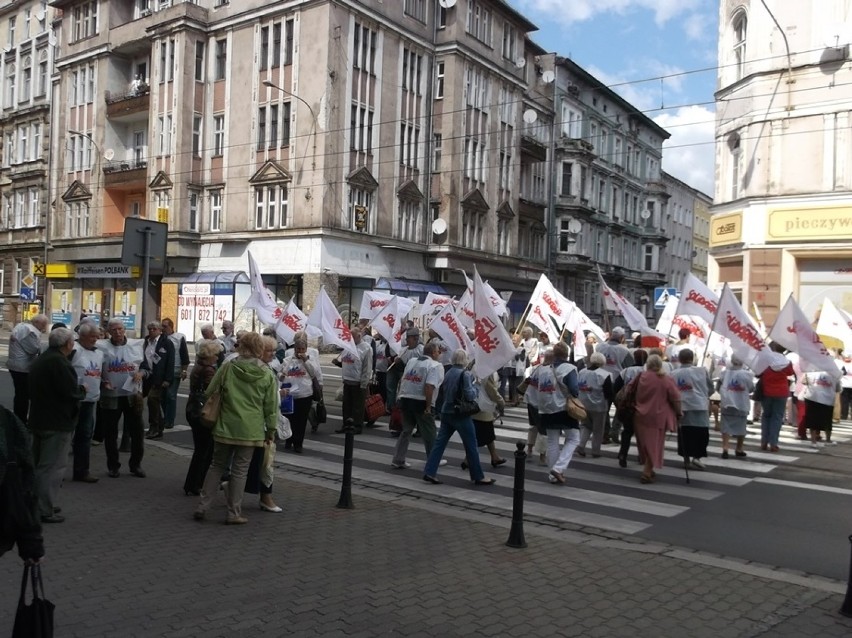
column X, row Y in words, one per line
column 793, row 331
column 735, row 324
column 697, row 299
column 334, row 331
column 390, row 325
column 492, row 344
column 448, row 326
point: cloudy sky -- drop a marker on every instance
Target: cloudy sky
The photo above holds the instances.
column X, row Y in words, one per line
column 659, row 54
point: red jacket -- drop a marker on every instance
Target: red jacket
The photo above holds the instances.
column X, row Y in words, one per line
column 775, row 384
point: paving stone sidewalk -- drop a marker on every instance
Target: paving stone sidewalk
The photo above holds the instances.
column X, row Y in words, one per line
column 130, row 561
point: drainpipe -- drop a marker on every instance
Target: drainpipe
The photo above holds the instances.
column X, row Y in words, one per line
column 789, row 58
column 428, row 144
column 551, row 207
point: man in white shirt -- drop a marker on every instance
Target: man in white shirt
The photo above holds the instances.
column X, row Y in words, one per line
column 88, row 363
column 24, row 348
column 418, row 390
column 121, row 396
column 356, row 372
column 228, row 338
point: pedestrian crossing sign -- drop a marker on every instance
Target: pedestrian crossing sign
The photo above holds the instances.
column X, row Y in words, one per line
column 661, row 296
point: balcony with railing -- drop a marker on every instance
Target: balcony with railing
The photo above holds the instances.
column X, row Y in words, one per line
column 125, row 172
column 132, row 102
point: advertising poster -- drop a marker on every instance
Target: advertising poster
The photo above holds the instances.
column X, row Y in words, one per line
column 61, row 307
column 124, row 307
column 92, row 301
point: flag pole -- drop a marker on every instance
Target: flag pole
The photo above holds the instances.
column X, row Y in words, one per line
column 712, row 330
column 605, row 307
column 523, row 319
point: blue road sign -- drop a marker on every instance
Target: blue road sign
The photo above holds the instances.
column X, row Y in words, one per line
column 28, row 294
column 661, row 296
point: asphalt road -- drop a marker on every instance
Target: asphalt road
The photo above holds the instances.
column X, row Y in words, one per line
column 791, row 511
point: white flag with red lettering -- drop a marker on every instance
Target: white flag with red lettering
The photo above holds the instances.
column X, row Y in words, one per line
column 261, row 300
column 616, row 301
column 334, row 331
column 793, row 331
column 492, row 344
column 547, row 303
column 832, row 323
column 735, row 324
column 390, row 325
column 697, row 299
column 447, row 326
column 373, row 302
column 293, row 320
column 496, row 300
column 433, row 304
column 465, row 311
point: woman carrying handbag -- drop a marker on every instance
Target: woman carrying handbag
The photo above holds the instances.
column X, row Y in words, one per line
column 459, row 405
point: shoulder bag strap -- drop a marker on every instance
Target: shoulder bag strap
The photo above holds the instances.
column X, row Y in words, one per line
column 22, row 599
column 459, row 387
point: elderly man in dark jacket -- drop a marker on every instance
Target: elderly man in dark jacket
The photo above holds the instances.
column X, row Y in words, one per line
column 55, row 397
column 159, row 370
column 19, row 525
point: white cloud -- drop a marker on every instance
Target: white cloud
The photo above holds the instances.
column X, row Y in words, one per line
column 689, row 152
column 699, row 27
column 645, row 96
column 569, row 11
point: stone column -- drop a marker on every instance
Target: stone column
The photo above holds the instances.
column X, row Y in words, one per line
column 311, row 284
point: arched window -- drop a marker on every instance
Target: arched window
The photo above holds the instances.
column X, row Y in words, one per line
column 736, row 159
column 740, row 31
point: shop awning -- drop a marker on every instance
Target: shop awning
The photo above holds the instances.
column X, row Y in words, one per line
column 403, row 286
column 218, row 277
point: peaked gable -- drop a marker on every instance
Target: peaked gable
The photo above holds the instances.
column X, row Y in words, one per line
column 77, row 190
column 160, row 181
column 409, row 191
column 271, row 172
column 504, row 210
column 474, row 201
column 362, row 178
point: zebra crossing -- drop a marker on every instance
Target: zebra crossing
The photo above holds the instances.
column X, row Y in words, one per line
column 598, row 493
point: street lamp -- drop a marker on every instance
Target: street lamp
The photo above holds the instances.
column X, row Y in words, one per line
column 272, row 85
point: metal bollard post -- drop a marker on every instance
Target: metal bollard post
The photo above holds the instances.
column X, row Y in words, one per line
column 345, row 501
column 846, row 610
column 516, row 534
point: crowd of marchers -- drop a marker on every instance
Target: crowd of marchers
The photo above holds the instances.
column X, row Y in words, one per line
column 74, row 394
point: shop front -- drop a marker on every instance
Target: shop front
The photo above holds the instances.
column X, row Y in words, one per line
column 102, row 290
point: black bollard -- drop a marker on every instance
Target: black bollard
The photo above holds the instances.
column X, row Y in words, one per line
column 516, row 534
column 846, row 610
column 345, row 501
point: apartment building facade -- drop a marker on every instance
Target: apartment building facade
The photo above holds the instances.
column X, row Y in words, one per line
column 27, row 46
column 610, row 203
column 782, row 218
column 679, row 254
column 701, row 235
column 351, row 145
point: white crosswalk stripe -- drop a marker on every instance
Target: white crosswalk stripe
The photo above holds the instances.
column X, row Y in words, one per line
column 598, row 493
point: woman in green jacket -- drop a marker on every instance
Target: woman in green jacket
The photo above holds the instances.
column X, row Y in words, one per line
column 248, row 416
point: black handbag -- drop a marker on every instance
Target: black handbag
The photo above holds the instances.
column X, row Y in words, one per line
column 757, row 393
column 317, row 390
column 322, row 413
column 461, row 406
column 36, row 619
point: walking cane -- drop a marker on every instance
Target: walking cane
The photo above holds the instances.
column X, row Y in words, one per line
column 685, row 458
